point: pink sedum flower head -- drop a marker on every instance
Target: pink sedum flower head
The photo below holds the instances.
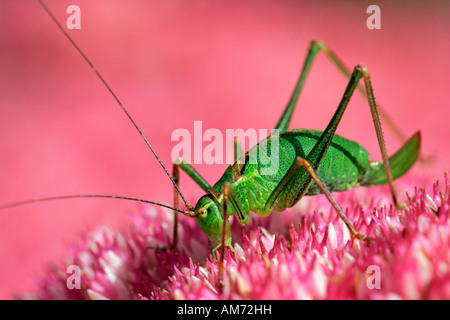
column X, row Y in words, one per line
column 303, row 253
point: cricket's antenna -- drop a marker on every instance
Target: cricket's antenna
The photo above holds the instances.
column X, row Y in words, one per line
column 115, row 97
column 21, row 203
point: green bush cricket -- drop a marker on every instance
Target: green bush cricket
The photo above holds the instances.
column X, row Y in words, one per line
column 310, row 162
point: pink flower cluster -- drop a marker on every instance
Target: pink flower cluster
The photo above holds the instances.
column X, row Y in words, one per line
column 303, row 253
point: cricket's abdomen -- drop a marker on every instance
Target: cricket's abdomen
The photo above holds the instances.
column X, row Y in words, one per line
column 265, row 165
column 342, row 167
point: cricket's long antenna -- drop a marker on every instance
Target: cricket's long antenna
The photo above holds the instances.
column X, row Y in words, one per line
column 21, row 203
column 114, row 95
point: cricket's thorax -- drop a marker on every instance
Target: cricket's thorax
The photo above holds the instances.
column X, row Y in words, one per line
column 264, row 166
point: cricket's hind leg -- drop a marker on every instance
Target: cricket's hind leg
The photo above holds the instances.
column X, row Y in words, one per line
column 288, row 179
column 321, row 147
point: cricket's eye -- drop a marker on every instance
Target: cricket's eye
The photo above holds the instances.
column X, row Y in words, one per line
column 202, row 213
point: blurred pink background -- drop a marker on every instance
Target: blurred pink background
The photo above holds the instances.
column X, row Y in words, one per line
column 230, row 64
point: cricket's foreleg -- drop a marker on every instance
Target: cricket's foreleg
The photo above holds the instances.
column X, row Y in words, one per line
column 226, row 189
column 191, row 172
column 176, row 178
column 174, row 242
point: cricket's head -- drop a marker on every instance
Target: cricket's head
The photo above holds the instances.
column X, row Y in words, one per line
column 209, row 219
